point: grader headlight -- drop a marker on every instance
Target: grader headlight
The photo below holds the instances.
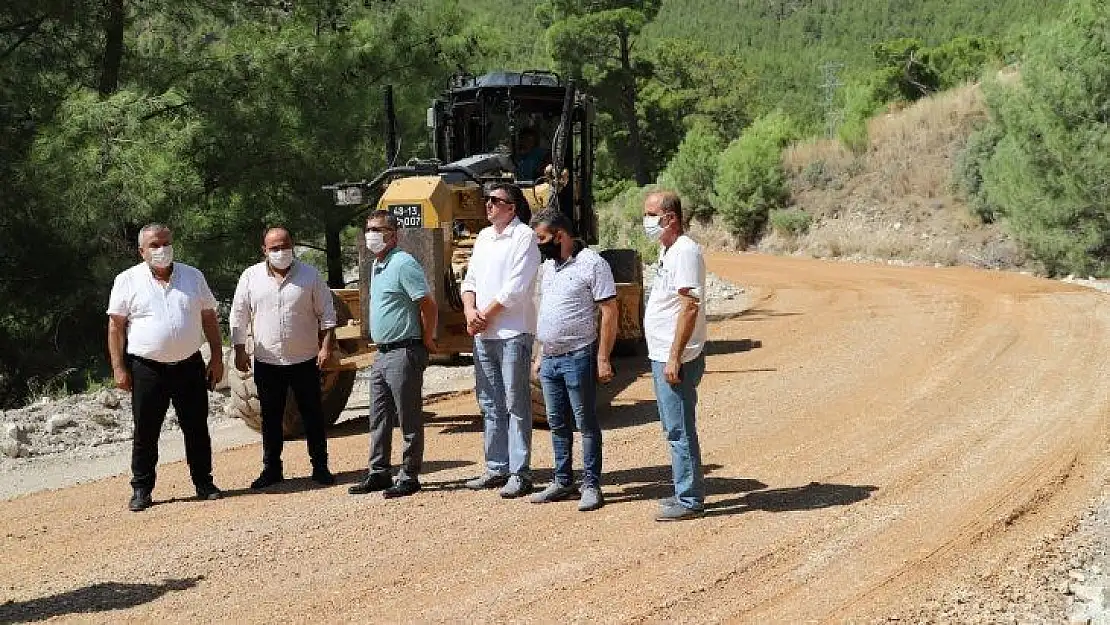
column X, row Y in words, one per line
column 348, row 196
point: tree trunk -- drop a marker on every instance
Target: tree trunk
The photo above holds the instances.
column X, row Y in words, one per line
column 628, row 112
column 333, row 251
column 113, row 48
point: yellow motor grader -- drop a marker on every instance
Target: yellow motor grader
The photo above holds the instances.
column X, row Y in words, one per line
column 481, row 127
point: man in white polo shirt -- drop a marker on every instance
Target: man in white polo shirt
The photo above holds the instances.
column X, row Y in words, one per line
column 288, row 308
column 159, row 314
column 501, row 316
column 674, row 324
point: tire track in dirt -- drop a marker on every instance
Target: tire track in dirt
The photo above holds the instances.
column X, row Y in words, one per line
column 895, row 433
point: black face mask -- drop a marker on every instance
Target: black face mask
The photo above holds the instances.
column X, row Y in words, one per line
column 550, row 249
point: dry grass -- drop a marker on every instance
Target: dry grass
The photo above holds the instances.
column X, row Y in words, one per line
column 909, row 152
column 713, row 236
column 913, row 149
column 895, row 201
column 800, row 155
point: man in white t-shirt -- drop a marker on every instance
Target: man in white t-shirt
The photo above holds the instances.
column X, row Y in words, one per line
column 159, row 314
column 674, row 324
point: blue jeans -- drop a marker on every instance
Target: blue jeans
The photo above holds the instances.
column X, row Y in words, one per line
column 570, row 388
column 501, row 371
column 676, row 404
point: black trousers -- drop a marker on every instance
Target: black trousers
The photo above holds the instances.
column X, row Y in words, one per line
column 154, row 385
column 274, row 383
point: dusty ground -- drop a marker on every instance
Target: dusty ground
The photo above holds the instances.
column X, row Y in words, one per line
column 880, row 442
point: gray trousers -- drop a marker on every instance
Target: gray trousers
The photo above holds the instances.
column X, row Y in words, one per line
column 396, row 382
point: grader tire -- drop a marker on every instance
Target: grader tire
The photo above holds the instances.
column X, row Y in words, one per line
column 539, row 408
column 335, row 389
column 628, row 274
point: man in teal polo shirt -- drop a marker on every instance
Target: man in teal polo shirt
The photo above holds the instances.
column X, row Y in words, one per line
column 402, row 325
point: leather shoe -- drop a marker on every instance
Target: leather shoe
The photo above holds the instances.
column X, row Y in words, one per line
column 209, row 492
column 267, row 479
column 401, row 489
column 323, row 476
column 373, row 482
column 140, row 500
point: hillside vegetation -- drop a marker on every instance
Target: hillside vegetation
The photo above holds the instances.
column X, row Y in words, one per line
column 220, row 118
column 897, row 199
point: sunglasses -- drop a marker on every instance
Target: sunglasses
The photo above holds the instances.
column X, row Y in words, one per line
column 494, row 198
column 378, row 229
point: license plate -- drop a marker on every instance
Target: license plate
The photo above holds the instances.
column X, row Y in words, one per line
column 408, row 215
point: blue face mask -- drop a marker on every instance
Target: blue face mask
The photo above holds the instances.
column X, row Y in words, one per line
column 652, row 228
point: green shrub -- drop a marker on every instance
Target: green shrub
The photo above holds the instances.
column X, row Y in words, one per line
column 750, row 180
column 692, row 170
column 1049, row 170
column 620, row 223
column 968, row 173
column 790, row 222
column 962, row 59
column 861, row 101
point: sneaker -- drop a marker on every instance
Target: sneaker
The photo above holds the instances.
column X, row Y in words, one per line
column 515, row 487
column 678, row 513
column 268, row 478
column 554, row 492
column 591, row 499
column 140, row 500
column 209, row 492
column 402, row 489
column 323, row 476
column 667, row 502
column 487, row 480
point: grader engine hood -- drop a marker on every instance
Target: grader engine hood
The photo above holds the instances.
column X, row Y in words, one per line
column 418, row 202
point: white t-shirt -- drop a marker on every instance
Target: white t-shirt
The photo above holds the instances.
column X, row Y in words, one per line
column 680, row 267
column 503, row 267
column 163, row 322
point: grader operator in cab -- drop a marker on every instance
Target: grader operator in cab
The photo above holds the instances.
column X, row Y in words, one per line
column 497, row 127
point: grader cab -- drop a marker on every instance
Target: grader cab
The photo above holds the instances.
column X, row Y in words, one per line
column 529, row 128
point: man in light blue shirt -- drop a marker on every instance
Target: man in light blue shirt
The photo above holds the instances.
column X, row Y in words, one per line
column 402, row 324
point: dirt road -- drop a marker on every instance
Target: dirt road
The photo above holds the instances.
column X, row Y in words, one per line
column 873, row 436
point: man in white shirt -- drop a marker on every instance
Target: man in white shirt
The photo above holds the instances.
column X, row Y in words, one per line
column 159, row 314
column 674, row 325
column 501, row 316
column 287, row 307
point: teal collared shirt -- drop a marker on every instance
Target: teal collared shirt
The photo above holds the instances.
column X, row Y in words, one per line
column 396, row 285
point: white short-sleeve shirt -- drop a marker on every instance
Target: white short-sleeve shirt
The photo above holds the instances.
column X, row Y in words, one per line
column 570, row 294
column 163, row 321
column 682, row 266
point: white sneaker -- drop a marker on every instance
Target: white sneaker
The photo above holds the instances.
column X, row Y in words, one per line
column 516, row 487
column 554, row 492
column 592, row 499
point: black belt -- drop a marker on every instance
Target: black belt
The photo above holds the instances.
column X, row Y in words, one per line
column 388, row 347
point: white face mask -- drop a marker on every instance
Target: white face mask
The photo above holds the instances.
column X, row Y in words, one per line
column 280, row 259
column 162, row 257
column 375, row 242
column 651, row 227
